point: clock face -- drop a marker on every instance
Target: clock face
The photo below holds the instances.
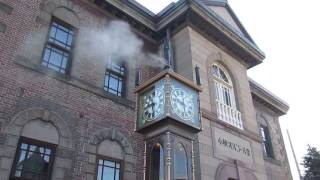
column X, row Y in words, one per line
column 153, row 104
column 168, row 99
column 182, row 104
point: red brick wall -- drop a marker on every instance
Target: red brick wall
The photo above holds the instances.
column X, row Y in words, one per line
column 22, row 87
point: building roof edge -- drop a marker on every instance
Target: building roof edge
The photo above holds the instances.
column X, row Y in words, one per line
column 268, row 97
column 248, row 40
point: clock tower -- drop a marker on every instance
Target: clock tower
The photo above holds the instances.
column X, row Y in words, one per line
column 169, row 117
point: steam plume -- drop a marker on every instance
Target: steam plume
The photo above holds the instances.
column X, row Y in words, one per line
column 116, row 42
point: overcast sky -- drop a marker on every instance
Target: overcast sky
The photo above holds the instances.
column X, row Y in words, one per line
column 288, row 32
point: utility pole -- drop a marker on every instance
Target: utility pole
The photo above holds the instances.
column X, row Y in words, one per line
column 294, row 155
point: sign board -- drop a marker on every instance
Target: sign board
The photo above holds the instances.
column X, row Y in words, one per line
column 231, row 146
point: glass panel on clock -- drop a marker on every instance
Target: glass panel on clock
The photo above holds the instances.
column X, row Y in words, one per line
column 152, row 102
column 184, row 103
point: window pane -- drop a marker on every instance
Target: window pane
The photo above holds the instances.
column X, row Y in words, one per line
column 262, row 134
column 117, row 68
column 113, row 83
column 46, row 158
column 53, row 31
column 57, row 51
column 56, row 59
column 24, row 146
column 48, row 151
column 61, row 36
column 41, row 149
column 223, row 76
column 64, row 62
column 114, row 77
column 46, row 55
column 227, row 97
column 266, row 141
column 63, row 28
column 117, row 175
column 215, row 70
column 109, row 163
column 219, row 73
column 120, row 86
column 70, row 37
column 18, row 173
column 108, row 170
column 108, row 173
column 113, row 92
column 22, row 156
column 32, row 163
column 33, row 148
column 99, row 176
column 53, row 67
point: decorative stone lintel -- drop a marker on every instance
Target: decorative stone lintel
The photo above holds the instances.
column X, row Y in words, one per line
column 114, row 135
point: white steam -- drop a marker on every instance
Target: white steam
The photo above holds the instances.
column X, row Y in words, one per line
column 115, row 42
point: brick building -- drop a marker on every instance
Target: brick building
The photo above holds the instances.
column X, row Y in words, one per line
column 80, row 104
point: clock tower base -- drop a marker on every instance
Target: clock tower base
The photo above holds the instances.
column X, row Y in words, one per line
column 169, row 156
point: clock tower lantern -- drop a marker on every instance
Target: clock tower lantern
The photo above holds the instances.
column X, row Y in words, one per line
column 169, row 117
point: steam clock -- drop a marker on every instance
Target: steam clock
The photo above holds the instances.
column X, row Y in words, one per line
column 169, row 117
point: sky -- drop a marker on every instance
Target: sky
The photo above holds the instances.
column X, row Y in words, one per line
column 288, row 31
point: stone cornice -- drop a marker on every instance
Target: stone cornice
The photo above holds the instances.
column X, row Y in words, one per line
column 133, row 10
column 268, row 99
column 214, row 2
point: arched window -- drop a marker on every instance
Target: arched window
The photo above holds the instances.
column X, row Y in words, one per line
column 33, row 160
column 110, row 160
column 59, row 47
column 223, row 85
column 180, row 163
column 35, row 151
column 157, row 163
column 226, row 104
column 266, row 141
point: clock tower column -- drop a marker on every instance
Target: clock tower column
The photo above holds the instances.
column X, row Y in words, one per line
column 169, row 117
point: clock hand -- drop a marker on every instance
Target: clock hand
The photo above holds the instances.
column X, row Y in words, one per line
column 153, row 108
column 180, row 100
column 184, row 105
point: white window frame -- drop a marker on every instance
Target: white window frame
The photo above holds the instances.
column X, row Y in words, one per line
column 225, row 98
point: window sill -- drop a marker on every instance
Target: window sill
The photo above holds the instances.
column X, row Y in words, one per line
column 25, row 62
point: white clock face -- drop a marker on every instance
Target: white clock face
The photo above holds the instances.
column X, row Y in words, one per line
column 153, row 105
column 182, row 104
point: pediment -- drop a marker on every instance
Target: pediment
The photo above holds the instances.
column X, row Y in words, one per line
column 227, row 17
column 224, row 11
